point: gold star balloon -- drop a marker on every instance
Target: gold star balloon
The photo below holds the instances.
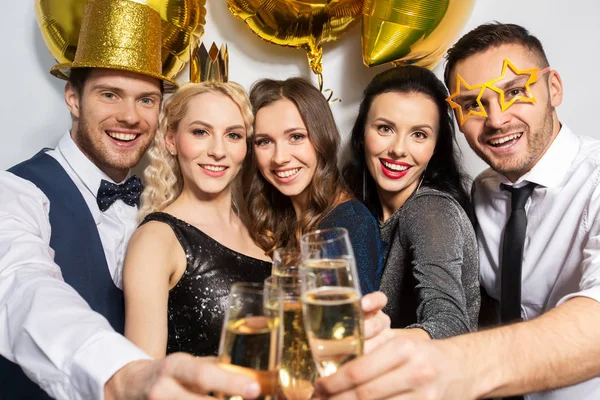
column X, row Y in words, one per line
column 298, row 23
column 411, row 32
column 182, row 26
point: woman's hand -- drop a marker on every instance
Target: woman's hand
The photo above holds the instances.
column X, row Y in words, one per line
column 377, row 324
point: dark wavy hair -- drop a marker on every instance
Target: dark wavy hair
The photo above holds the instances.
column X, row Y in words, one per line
column 443, row 171
column 272, row 220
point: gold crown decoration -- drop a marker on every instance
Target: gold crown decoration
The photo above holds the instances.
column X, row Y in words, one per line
column 118, row 34
column 211, row 65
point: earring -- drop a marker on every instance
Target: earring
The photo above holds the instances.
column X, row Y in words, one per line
column 172, row 152
column 235, row 207
column 421, row 181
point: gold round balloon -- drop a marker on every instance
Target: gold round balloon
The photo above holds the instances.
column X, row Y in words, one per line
column 298, row 23
column 182, row 26
column 411, row 32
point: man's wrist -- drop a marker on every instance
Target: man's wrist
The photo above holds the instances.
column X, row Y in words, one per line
column 461, row 371
column 477, row 371
column 117, row 386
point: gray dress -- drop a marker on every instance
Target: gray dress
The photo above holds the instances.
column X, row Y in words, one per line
column 431, row 273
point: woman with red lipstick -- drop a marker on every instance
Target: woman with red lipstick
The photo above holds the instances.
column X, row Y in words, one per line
column 191, row 245
column 406, row 171
column 293, row 184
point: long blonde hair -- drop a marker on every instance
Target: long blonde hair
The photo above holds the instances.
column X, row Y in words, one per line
column 162, row 176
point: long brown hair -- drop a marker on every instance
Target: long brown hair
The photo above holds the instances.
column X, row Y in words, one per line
column 272, row 220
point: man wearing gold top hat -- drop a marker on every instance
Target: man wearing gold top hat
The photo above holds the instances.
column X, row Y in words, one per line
column 65, row 219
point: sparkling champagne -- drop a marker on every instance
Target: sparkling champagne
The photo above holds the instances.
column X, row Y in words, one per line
column 250, row 345
column 332, row 272
column 333, row 320
column 298, row 370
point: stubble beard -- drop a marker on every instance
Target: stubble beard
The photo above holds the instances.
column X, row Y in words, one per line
column 109, row 161
column 537, row 142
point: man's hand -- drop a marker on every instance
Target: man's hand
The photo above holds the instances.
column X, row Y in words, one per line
column 401, row 368
column 377, row 324
column 178, row 376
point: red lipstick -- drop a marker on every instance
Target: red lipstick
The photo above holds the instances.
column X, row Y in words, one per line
column 391, row 173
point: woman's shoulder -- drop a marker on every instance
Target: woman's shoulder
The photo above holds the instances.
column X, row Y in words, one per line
column 353, row 207
column 161, row 229
column 166, row 221
column 430, row 207
column 433, row 195
column 353, row 216
column 156, row 226
column 433, row 199
column 152, row 237
column 159, row 216
column 349, row 210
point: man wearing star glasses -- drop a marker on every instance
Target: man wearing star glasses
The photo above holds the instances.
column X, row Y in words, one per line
column 538, row 227
column 504, row 100
column 512, row 86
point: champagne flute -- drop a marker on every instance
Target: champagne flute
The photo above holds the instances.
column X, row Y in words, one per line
column 286, row 262
column 298, row 370
column 331, row 299
column 251, row 336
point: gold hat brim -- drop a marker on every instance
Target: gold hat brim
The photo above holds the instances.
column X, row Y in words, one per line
column 62, row 71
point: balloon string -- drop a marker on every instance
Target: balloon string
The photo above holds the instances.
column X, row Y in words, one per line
column 325, row 91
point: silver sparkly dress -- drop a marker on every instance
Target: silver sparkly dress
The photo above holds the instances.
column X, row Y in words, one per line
column 198, row 301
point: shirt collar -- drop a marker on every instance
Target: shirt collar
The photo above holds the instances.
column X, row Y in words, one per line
column 82, row 166
column 550, row 170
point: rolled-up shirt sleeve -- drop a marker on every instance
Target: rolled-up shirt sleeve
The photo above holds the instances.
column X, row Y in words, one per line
column 46, row 327
column 589, row 283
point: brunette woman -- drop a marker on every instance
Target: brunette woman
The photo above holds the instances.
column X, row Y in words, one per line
column 293, row 185
column 405, row 169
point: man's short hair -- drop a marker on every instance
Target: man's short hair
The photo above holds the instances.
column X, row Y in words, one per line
column 77, row 79
column 492, row 35
column 79, row 76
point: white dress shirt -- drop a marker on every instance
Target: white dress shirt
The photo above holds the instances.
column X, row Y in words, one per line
column 561, row 256
column 45, row 326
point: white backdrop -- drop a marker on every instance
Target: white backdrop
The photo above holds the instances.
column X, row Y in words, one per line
column 32, row 108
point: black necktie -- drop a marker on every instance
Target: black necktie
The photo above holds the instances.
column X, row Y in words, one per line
column 512, row 254
column 512, row 258
column 129, row 192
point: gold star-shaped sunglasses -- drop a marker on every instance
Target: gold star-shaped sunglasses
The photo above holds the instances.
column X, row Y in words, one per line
column 509, row 92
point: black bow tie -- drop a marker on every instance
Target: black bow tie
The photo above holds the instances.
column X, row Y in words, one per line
column 129, row 192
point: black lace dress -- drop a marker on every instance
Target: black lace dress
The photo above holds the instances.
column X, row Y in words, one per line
column 197, row 303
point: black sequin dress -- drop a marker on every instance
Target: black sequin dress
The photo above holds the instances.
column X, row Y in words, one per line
column 197, row 303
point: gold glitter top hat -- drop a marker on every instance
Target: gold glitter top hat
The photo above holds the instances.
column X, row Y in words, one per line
column 118, row 34
column 211, row 65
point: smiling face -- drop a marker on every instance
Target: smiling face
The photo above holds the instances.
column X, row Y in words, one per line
column 115, row 119
column 210, row 143
column 284, row 153
column 400, row 136
column 511, row 142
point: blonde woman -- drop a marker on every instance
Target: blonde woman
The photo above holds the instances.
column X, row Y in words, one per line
column 191, row 245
